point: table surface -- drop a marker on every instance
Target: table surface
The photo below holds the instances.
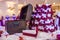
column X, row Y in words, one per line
column 40, row 36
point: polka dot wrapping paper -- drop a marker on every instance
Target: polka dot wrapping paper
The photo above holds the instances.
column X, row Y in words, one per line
column 42, row 18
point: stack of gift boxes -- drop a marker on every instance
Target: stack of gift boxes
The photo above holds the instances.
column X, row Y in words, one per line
column 42, row 18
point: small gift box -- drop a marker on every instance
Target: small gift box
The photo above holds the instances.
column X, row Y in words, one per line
column 29, row 33
column 32, row 33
